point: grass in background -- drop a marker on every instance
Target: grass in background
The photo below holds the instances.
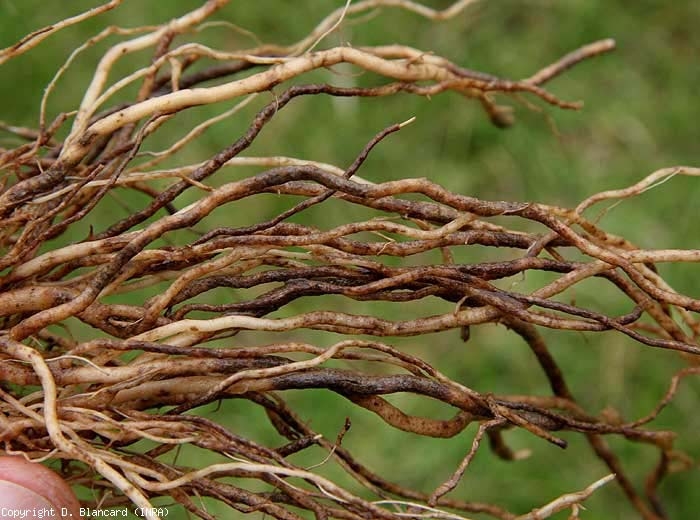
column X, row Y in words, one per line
column 641, row 113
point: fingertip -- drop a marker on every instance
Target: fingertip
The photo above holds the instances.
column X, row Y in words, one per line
column 31, row 487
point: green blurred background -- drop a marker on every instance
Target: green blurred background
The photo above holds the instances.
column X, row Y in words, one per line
column 641, row 113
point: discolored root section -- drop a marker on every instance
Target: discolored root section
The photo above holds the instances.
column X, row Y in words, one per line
column 157, row 340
